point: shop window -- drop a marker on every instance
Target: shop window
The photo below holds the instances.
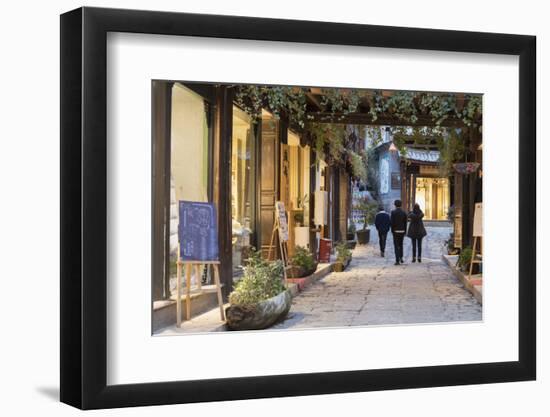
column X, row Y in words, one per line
column 189, row 164
column 432, row 194
column 243, row 187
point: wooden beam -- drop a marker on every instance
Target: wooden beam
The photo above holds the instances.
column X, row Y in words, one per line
column 222, row 184
column 161, row 123
column 366, row 119
column 313, row 100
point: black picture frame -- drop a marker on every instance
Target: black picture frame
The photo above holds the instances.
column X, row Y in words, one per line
column 84, row 207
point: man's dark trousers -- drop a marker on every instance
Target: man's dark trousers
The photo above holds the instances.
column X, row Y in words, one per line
column 398, row 245
column 382, row 236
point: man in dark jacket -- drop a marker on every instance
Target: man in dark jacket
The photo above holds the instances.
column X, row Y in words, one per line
column 382, row 223
column 398, row 220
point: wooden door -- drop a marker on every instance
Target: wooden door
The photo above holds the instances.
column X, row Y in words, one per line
column 344, row 208
column 268, row 184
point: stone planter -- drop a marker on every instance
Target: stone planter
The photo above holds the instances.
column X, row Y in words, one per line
column 341, row 266
column 300, row 272
column 363, row 236
column 261, row 316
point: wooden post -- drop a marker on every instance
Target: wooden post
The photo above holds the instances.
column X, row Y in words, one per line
column 199, row 276
column 473, row 260
column 272, row 242
column 219, row 290
column 188, row 291
column 178, row 285
column 161, row 125
column 188, row 269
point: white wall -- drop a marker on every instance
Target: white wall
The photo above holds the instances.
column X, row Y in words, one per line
column 29, row 160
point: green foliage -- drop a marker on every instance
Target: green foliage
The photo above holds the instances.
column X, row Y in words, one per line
column 336, row 103
column 299, row 218
column 450, row 243
column 409, row 105
column 290, row 101
column 368, row 209
column 358, row 162
column 352, row 228
column 302, row 258
column 452, row 149
column 451, row 213
column 465, row 257
column 343, row 252
column 337, row 142
column 262, row 280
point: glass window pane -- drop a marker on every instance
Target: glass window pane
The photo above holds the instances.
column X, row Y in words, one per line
column 189, row 157
column 243, row 186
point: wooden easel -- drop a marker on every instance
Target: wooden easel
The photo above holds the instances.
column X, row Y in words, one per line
column 283, row 245
column 477, row 234
column 474, row 260
column 188, row 268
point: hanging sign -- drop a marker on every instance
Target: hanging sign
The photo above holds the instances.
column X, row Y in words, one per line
column 282, row 223
column 198, row 231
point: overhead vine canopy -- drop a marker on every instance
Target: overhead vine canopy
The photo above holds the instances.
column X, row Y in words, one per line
column 334, row 120
column 361, row 106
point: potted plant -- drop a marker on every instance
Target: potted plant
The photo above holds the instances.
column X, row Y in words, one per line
column 464, row 259
column 259, row 299
column 343, row 257
column 367, row 210
column 350, row 236
column 450, row 243
column 302, row 263
column 351, row 231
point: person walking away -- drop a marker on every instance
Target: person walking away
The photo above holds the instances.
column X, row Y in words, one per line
column 416, row 232
column 382, row 223
column 398, row 221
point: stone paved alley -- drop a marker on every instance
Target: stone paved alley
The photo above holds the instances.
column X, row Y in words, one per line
column 373, row 291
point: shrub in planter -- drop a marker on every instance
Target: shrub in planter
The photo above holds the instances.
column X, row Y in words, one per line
column 302, row 263
column 464, row 258
column 259, row 298
column 343, row 257
column 367, row 208
column 464, row 261
column 450, row 243
column 351, row 232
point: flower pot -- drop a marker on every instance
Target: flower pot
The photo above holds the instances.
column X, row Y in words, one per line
column 465, row 168
column 363, row 236
column 299, row 271
column 340, row 266
column 260, row 316
column 350, row 236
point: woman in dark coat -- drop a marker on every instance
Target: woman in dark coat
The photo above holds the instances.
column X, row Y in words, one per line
column 416, row 231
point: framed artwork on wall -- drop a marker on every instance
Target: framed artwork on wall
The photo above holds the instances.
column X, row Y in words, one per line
column 187, row 140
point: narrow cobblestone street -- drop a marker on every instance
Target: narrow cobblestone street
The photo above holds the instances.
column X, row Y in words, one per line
column 374, row 291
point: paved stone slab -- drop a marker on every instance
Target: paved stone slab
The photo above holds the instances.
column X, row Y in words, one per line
column 374, row 291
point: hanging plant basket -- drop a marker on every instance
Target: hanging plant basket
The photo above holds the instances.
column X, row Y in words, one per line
column 466, row 168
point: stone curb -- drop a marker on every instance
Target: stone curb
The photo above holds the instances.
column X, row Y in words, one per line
column 476, row 290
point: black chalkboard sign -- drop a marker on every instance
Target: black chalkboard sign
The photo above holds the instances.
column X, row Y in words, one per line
column 198, row 231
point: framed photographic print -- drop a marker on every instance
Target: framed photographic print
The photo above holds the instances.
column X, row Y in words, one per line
column 255, row 208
